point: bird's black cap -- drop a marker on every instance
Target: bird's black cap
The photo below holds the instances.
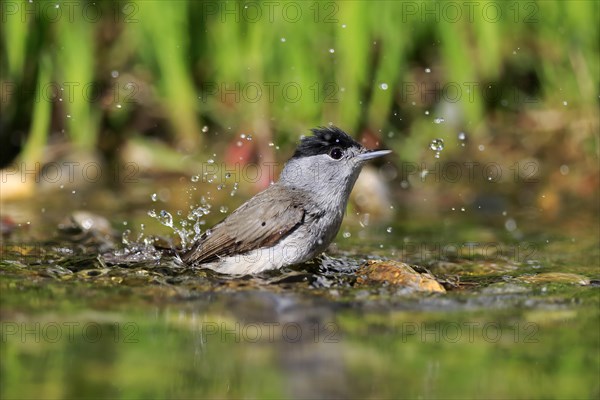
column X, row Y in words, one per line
column 324, row 139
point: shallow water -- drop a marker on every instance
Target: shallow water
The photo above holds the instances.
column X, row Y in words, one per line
column 83, row 315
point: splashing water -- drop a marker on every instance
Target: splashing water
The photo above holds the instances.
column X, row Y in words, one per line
column 189, row 227
column 437, row 145
column 235, row 188
column 165, row 218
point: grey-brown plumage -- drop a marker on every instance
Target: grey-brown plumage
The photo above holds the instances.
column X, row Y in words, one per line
column 292, row 220
column 253, row 225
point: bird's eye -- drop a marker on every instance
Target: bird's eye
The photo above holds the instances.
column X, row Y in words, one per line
column 336, row 153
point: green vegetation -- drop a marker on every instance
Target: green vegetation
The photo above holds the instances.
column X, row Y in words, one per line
column 112, row 70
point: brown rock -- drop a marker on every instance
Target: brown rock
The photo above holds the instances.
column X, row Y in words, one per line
column 398, row 274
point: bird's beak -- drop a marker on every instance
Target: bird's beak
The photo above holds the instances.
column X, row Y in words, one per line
column 370, row 154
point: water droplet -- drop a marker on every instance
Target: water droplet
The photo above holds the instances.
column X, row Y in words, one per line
column 332, row 51
column 427, row 70
column 389, row 229
column 223, row 209
column 346, row 235
column 437, row 145
column 364, row 220
column 197, row 229
column 205, row 128
column 564, row 169
column 114, row 73
column 438, row 120
column 165, row 218
column 510, row 225
column 343, row 25
column 271, row 144
column 210, row 161
column 227, row 175
column 282, row 40
column 125, row 237
column 426, row 112
column 119, row 106
column 235, row 187
column 195, row 178
column 384, row 86
column 462, row 136
column 565, row 103
column 154, row 196
column 481, row 147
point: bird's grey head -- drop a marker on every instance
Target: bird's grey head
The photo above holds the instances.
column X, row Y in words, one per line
column 327, row 163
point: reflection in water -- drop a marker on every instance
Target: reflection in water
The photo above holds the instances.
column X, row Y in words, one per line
column 302, row 336
column 504, row 328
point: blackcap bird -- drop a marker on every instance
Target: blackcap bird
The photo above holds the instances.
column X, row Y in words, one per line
column 294, row 219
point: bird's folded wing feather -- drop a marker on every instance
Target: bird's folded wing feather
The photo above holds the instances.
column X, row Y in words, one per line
column 260, row 222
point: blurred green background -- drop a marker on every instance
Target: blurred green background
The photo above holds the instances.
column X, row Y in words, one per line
column 148, row 82
column 151, row 93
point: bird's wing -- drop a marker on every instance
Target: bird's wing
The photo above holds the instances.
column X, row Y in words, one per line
column 260, row 222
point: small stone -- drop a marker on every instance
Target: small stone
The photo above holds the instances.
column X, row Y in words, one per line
column 398, row 274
